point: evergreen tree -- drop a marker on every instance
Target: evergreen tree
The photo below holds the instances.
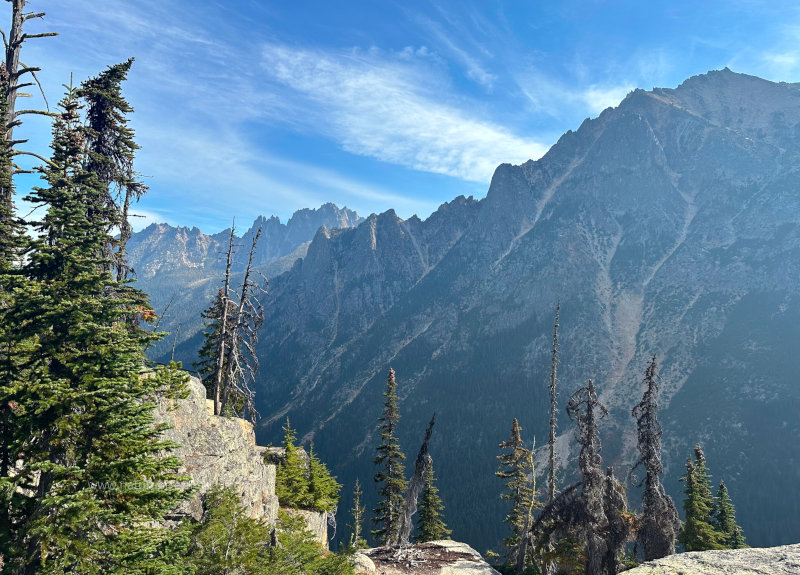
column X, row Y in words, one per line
column 228, row 540
column 585, row 409
column 111, row 149
column 699, row 533
column 431, row 525
column 323, row 490
column 659, row 523
column 90, row 479
column 725, row 520
column 357, row 512
column 298, row 553
column 392, row 471
column 515, row 467
column 206, row 365
column 291, row 477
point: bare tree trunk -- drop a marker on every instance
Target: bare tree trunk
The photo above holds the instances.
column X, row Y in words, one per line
column 223, row 326
column 234, row 364
column 551, row 440
column 13, row 49
column 415, row 486
column 10, row 73
column 527, row 537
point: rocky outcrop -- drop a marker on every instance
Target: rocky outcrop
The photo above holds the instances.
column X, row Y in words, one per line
column 768, row 561
column 218, row 451
column 433, row 558
column 222, row 451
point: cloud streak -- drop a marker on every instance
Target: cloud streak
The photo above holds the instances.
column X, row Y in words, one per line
column 383, row 109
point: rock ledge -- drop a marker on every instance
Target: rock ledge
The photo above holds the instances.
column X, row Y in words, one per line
column 783, row 560
column 434, row 558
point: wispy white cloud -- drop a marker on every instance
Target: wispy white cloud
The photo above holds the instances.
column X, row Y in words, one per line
column 599, row 98
column 385, row 109
column 560, row 100
column 475, row 70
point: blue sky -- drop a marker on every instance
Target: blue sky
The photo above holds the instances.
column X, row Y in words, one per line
column 264, row 107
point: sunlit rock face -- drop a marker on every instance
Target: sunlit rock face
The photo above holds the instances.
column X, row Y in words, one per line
column 770, row 561
column 218, row 451
column 434, row 558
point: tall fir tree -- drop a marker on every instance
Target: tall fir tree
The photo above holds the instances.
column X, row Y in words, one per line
column 430, row 524
column 659, row 524
column 725, row 519
column 111, row 149
column 91, row 483
column 391, row 475
column 515, row 467
column 699, row 532
column 357, row 513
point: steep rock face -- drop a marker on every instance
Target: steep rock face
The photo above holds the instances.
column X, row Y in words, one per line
column 218, row 451
column 770, row 561
column 222, row 451
column 669, row 225
column 348, row 279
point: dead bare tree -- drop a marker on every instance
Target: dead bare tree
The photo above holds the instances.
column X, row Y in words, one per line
column 551, row 440
column 12, row 74
column 526, row 539
column 414, row 488
column 223, row 319
column 585, row 409
column 241, row 362
column 659, row 523
column 228, row 362
column 619, row 522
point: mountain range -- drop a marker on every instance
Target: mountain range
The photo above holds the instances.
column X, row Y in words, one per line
column 181, row 268
column 668, row 226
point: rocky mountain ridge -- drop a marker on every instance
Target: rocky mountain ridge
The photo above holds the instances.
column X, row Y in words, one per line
column 182, row 267
column 161, row 248
column 669, row 225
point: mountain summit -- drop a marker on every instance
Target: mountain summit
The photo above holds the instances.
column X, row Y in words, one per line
column 669, row 225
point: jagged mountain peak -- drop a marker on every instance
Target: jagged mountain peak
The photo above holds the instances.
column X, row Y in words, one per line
column 667, row 225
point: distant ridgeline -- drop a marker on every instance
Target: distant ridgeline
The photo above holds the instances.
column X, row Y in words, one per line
column 669, row 226
column 181, row 267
